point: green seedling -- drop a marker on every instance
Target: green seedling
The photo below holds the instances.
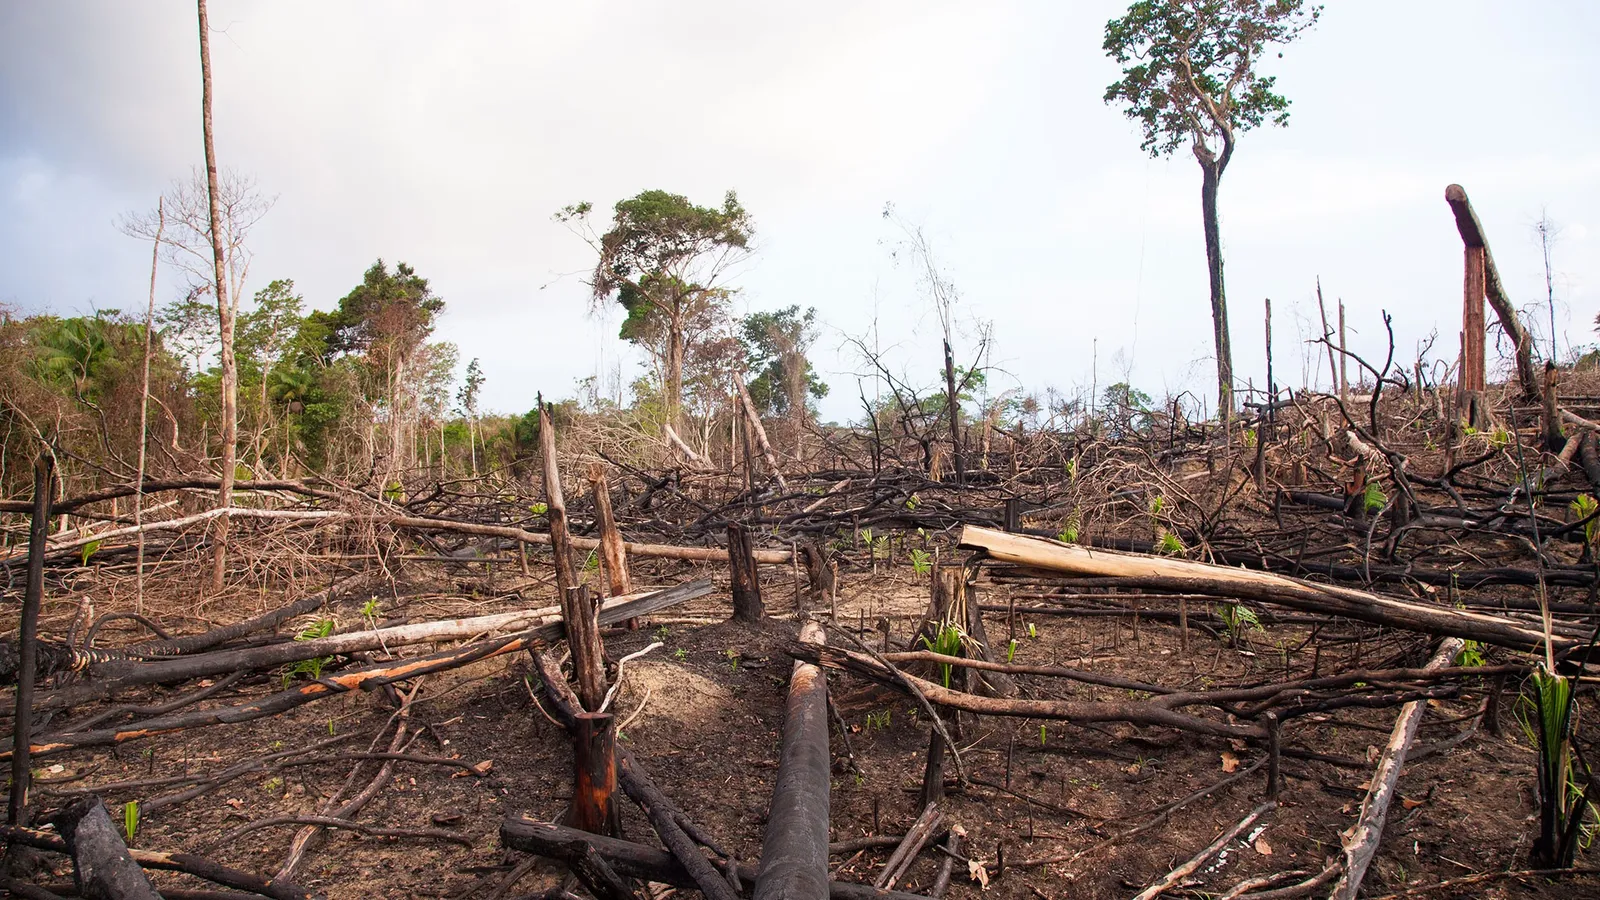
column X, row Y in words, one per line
column 921, row 561
column 1471, row 654
column 1238, row 619
column 88, row 551
column 130, row 819
column 371, row 611
column 1374, row 499
column 1032, row 631
column 310, row 667
column 1043, row 735
column 1011, row 651
column 1583, row 507
column 394, row 492
column 948, row 643
column 912, row 502
column 733, row 658
column 538, row 509
column 1169, row 544
column 680, row 654
column 662, row 633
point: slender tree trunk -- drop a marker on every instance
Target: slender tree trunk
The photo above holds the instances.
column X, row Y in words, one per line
column 1212, row 178
column 673, row 397
column 230, row 371
column 955, row 414
column 144, row 404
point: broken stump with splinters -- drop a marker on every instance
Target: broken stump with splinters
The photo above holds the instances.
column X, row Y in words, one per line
column 594, row 765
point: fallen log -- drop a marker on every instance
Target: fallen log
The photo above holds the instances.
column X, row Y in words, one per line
column 101, row 866
column 189, row 863
column 365, row 678
column 124, row 669
column 1360, row 841
column 647, row 863
column 794, row 853
column 1193, row 577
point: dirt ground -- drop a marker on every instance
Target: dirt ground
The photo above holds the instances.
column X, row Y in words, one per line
column 704, row 714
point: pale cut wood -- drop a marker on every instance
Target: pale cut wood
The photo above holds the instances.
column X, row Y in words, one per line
column 612, row 551
column 1360, row 841
column 1221, row 581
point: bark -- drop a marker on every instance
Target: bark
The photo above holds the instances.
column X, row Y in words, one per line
column 1182, row 575
column 230, row 369
column 1361, row 839
column 753, row 419
column 612, row 552
column 745, row 583
column 954, row 405
column 794, row 853
column 1211, row 168
column 594, row 763
column 1472, row 235
column 27, row 639
column 101, row 866
column 648, row 863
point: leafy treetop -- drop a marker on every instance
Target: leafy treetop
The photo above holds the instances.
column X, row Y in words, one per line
column 1190, row 69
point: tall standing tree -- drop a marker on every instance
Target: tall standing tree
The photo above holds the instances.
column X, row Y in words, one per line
column 225, row 313
column 1190, row 76
column 467, row 397
column 664, row 260
column 776, row 344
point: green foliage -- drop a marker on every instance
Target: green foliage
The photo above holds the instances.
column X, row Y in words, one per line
column 1043, row 734
column 880, row 547
column 1374, row 499
column 371, row 612
column 1471, row 654
column 1583, row 507
column 394, row 492
column 88, row 550
column 775, row 346
column 912, row 502
column 1169, row 544
column 1032, row 631
column 680, row 654
column 1237, row 619
column 1189, row 67
column 538, row 509
column 733, row 658
column 1126, row 411
column 921, row 561
column 130, row 819
column 1011, row 650
column 312, row 668
column 947, row 642
column 880, row 720
column 1547, row 721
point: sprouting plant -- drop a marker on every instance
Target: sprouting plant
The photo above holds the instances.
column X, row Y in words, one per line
column 1169, row 544
column 1562, row 807
column 370, row 611
column 1069, row 534
column 1583, row 507
column 680, row 654
column 393, row 492
column 1500, row 439
column 130, row 819
column 1471, row 654
column 538, row 509
column 880, row 547
column 1238, row 618
column 912, row 502
column 948, row 643
column 88, row 550
column 1374, row 499
column 921, row 561
column 733, row 658
column 1157, row 504
column 331, row 728
column 1011, row 650
column 1072, row 470
column 662, row 633
column 275, row 745
column 1032, row 631
column 866, row 536
column 879, row 720
column 1043, row 734
column 1250, row 437
column 272, row 785
column 312, row 667
column 591, row 564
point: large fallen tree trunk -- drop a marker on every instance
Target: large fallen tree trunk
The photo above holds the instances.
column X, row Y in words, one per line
column 1164, row 573
column 365, row 678
column 794, row 853
column 648, row 863
column 128, row 668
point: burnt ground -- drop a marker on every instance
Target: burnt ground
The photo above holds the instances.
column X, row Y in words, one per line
column 704, row 713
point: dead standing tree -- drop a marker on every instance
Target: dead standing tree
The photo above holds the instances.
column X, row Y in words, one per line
column 1481, row 280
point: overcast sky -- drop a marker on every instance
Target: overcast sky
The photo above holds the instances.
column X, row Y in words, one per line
column 445, row 135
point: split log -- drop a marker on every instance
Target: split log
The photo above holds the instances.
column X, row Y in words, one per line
column 649, row 864
column 189, row 863
column 593, row 870
column 1360, row 841
column 101, row 866
column 1472, row 236
column 920, row 832
column 363, row 679
column 594, row 765
column 794, row 853
column 612, row 551
column 1193, row 577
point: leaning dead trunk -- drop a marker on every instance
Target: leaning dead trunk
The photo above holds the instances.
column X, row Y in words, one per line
column 1211, row 169
column 230, row 371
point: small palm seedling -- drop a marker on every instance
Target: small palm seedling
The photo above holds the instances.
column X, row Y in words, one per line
column 946, row 642
column 538, row 509
column 130, row 819
column 1043, row 735
column 1585, row 507
column 1547, row 723
column 1032, row 631
column 1169, row 544
column 371, row 612
column 733, row 658
column 311, row 667
column 921, row 561
column 88, row 550
column 880, row 547
column 1471, row 654
column 1374, row 499
column 1237, row 619
column 1011, row 651
column 912, row 502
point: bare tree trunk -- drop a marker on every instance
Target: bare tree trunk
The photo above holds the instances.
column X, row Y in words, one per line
column 955, row 414
column 1211, row 179
column 673, row 394
column 144, row 404
column 230, row 371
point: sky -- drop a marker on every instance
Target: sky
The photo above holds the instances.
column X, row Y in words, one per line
column 446, row 136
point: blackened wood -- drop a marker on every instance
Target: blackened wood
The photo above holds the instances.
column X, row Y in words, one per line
column 904, row 855
column 953, row 848
column 746, row 584
column 1013, row 514
column 933, row 772
column 101, row 866
column 580, row 614
column 594, row 763
column 819, row 575
column 1554, row 440
column 794, row 853
column 28, row 639
column 593, row 870
column 648, row 863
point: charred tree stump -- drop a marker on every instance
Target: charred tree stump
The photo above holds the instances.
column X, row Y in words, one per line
column 592, row 869
column 1489, row 286
column 933, row 774
column 101, row 866
column 28, row 639
column 555, row 503
column 1554, row 440
column 594, row 764
column 794, row 854
column 581, row 613
column 746, row 582
column 1012, row 516
column 819, row 575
